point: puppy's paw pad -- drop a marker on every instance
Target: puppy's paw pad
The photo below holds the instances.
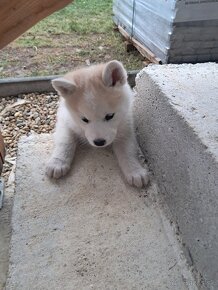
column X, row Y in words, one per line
column 139, row 178
column 57, row 168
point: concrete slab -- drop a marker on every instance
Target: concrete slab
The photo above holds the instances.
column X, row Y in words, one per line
column 90, row 230
column 176, row 113
column 5, row 234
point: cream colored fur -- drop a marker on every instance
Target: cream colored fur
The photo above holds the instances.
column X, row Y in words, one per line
column 89, row 98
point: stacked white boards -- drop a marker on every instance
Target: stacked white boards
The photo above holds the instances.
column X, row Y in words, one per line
column 176, row 31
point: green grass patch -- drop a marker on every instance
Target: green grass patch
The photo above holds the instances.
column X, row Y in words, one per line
column 82, row 16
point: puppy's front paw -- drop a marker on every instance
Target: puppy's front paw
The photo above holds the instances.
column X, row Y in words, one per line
column 138, row 178
column 57, row 168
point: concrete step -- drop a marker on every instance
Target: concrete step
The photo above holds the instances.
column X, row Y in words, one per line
column 176, row 113
column 89, row 230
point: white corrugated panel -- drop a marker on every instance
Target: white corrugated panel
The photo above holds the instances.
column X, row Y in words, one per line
column 174, row 30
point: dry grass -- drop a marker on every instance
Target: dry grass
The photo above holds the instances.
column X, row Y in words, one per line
column 81, row 33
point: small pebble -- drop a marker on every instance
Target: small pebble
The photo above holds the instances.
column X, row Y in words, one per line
column 18, row 114
column 36, row 116
column 37, row 120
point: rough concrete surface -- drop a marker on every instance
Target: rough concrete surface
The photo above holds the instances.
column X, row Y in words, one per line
column 177, row 121
column 5, row 234
column 89, row 230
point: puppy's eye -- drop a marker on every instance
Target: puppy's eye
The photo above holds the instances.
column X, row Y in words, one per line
column 85, row 120
column 108, row 117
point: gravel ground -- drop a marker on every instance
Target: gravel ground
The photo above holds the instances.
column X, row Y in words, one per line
column 23, row 115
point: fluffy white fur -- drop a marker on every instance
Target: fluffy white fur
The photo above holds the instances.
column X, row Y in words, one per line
column 96, row 105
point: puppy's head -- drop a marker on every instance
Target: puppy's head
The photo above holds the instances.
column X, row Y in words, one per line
column 97, row 97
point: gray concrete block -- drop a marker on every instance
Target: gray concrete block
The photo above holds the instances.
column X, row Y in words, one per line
column 174, row 36
column 212, row 23
column 186, row 50
column 177, row 121
column 199, row 58
column 5, row 231
column 89, row 230
column 204, row 57
column 175, row 59
column 203, row 51
column 214, row 57
column 183, row 50
column 209, row 44
column 183, row 59
column 202, row 35
column 189, row 58
column 214, row 50
column 191, row 30
column 188, row 30
column 194, row 44
column 180, row 56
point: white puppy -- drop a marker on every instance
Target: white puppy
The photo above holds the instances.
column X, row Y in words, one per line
column 96, row 105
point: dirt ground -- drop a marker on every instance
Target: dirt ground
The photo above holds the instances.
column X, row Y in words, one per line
column 67, row 52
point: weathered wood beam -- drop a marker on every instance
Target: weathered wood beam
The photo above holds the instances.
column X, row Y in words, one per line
column 17, row 16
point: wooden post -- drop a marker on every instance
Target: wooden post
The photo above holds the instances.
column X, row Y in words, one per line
column 17, row 16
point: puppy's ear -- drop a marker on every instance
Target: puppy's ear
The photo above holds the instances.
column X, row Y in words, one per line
column 114, row 74
column 64, row 87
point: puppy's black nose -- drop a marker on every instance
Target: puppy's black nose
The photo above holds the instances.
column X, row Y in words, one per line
column 99, row 142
